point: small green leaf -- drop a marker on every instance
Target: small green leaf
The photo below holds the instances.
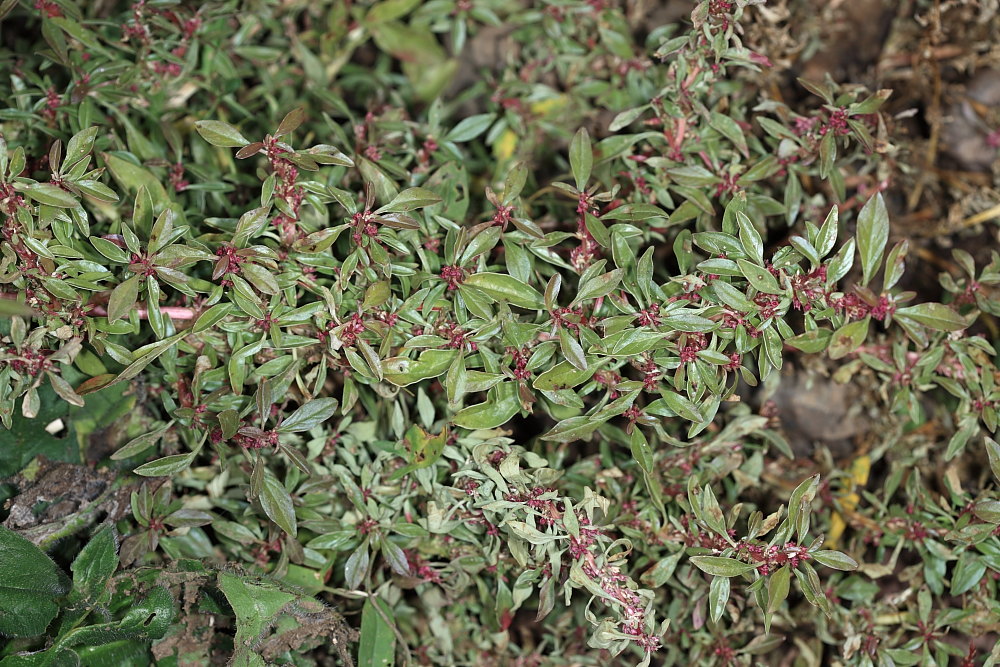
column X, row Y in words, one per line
column 719, row 566
column 166, row 466
column 993, row 452
column 410, row 199
column 403, row 371
column 599, row 286
column 277, row 503
column 935, row 316
column 574, row 428
column 309, row 415
column 51, row 195
column 838, row 560
column 500, row 407
column 470, row 128
column 777, row 591
column 718, row 595
column 123, row 298
column 759, row 277
column 683, row 406
column 848, row 338
column 501, row 286
column 581, row 158
column 221, row 134
column 572, row 349
column 873, row 234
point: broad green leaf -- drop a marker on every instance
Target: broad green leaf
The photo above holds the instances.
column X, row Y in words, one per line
column 377, row 645
column 683, row 406
column 96, row 562
column 993, row 453
column 571, row 349
column 777, row 591
column 718, row 596
column 30, row 582
column 256, row 606
column 500, row 407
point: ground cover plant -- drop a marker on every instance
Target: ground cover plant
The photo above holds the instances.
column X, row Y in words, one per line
column 495, row 333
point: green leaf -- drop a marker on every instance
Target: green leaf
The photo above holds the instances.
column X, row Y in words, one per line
column 719, row 566
column 211, row 317
column 848, row 338
column 811, row 342
column 470, row 128
column 221, row 134
column 277, row 504
column 256, row 606
column 563, row 375
column 777, row 591
column 30, row 582
column 166, row 466
column 968, row 573
column 572, row 349
column 718, row 595
column 730, row 129
column 993, row 452
column 581, row 158
column 873, row 234
column 838, row 560
column 377, row 644
column 110, row 250
column 123, row 298
column 97, row 561
column 759, row 277
column 501, row 286
column 403, row 371
column 501, row 405
column 599, row 286
column 261, row 278
column 410, row 199
column 79, row 146
column 934, row 316
column 574, row 428
column 309, row 415
column 51, row 195
column 683, row 406
column 291, row 122
column 641, row 451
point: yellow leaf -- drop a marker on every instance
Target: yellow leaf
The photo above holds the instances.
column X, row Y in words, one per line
column 505, row 145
